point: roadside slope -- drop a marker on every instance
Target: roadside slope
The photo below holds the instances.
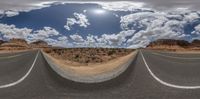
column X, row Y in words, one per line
column 94, row 73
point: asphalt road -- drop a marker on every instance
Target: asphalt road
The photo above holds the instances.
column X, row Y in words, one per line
column 153, row 75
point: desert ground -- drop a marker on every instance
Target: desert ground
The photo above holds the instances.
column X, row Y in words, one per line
column 87, row 56
column 90, row 61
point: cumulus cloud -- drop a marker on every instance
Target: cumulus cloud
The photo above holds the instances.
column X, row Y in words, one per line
column 196, row 30
column 16, row 6
column 121, row 5
column 48, row 34
column 45, row 33
column 11, row 8
column 104, row 40
column 156, row 25
column 62, row 41
column 76, row 38
column 11, row 31
column 141, row 28
column 117, row 40
column 154, row 4
column 11, row 13
column 131, row 4
column 80, row 19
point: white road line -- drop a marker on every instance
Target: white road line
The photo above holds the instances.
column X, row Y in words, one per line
column 166, row 83
column 23, row 78
column 173, row 56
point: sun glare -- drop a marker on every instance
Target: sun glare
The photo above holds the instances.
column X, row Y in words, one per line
column 99, row 11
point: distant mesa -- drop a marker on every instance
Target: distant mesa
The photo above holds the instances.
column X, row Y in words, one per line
column 39, row 44
column 14, row 44
column 196, row 43
column 18, row 41
column 21, row 44
column 171, row 44
column 2, row 41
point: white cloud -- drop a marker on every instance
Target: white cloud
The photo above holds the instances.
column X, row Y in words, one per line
column 155, row 4
column 116, row 5
column 70, row 22
column 117, row 40
column 11, row 13
column 104, row 40
column 49, row 35
column 91, row 41
column 76, row 38
column 46, row 32
column 13, row 7
column 121, row 5
column 80, row 19
column 63, row 38
column 62, row 41
column 156, row 25
column 191, row 16
column 10, row 31
column 196, row 30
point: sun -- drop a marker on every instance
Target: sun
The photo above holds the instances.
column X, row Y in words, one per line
column 99, row 11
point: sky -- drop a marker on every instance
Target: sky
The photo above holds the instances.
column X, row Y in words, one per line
column 105, row 23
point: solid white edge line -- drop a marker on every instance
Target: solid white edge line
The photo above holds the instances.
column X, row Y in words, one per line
column 23, row 78
column 166, row 83
column 173, row 56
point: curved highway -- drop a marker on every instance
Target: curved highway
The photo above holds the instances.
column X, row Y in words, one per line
column 29, row 76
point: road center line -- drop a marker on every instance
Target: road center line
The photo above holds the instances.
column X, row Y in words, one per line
column 24, row 77
column 163, row 82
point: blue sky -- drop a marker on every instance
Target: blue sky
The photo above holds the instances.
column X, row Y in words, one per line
column 56, row 16
column 120, row 24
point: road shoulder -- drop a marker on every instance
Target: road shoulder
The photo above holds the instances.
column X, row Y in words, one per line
column 94, row 73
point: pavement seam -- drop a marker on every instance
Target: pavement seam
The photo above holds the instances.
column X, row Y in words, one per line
column 24, row 77
column 163, row 82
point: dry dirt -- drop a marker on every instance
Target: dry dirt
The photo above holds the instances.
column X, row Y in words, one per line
column 13, row 51
column 94, row 68
column 87, row 56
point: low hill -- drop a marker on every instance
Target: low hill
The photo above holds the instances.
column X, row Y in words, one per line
column 21, row 44
column 1, row 42
column 14, row 44
column 196, row 43
column 39, row 44
column 170, row 44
